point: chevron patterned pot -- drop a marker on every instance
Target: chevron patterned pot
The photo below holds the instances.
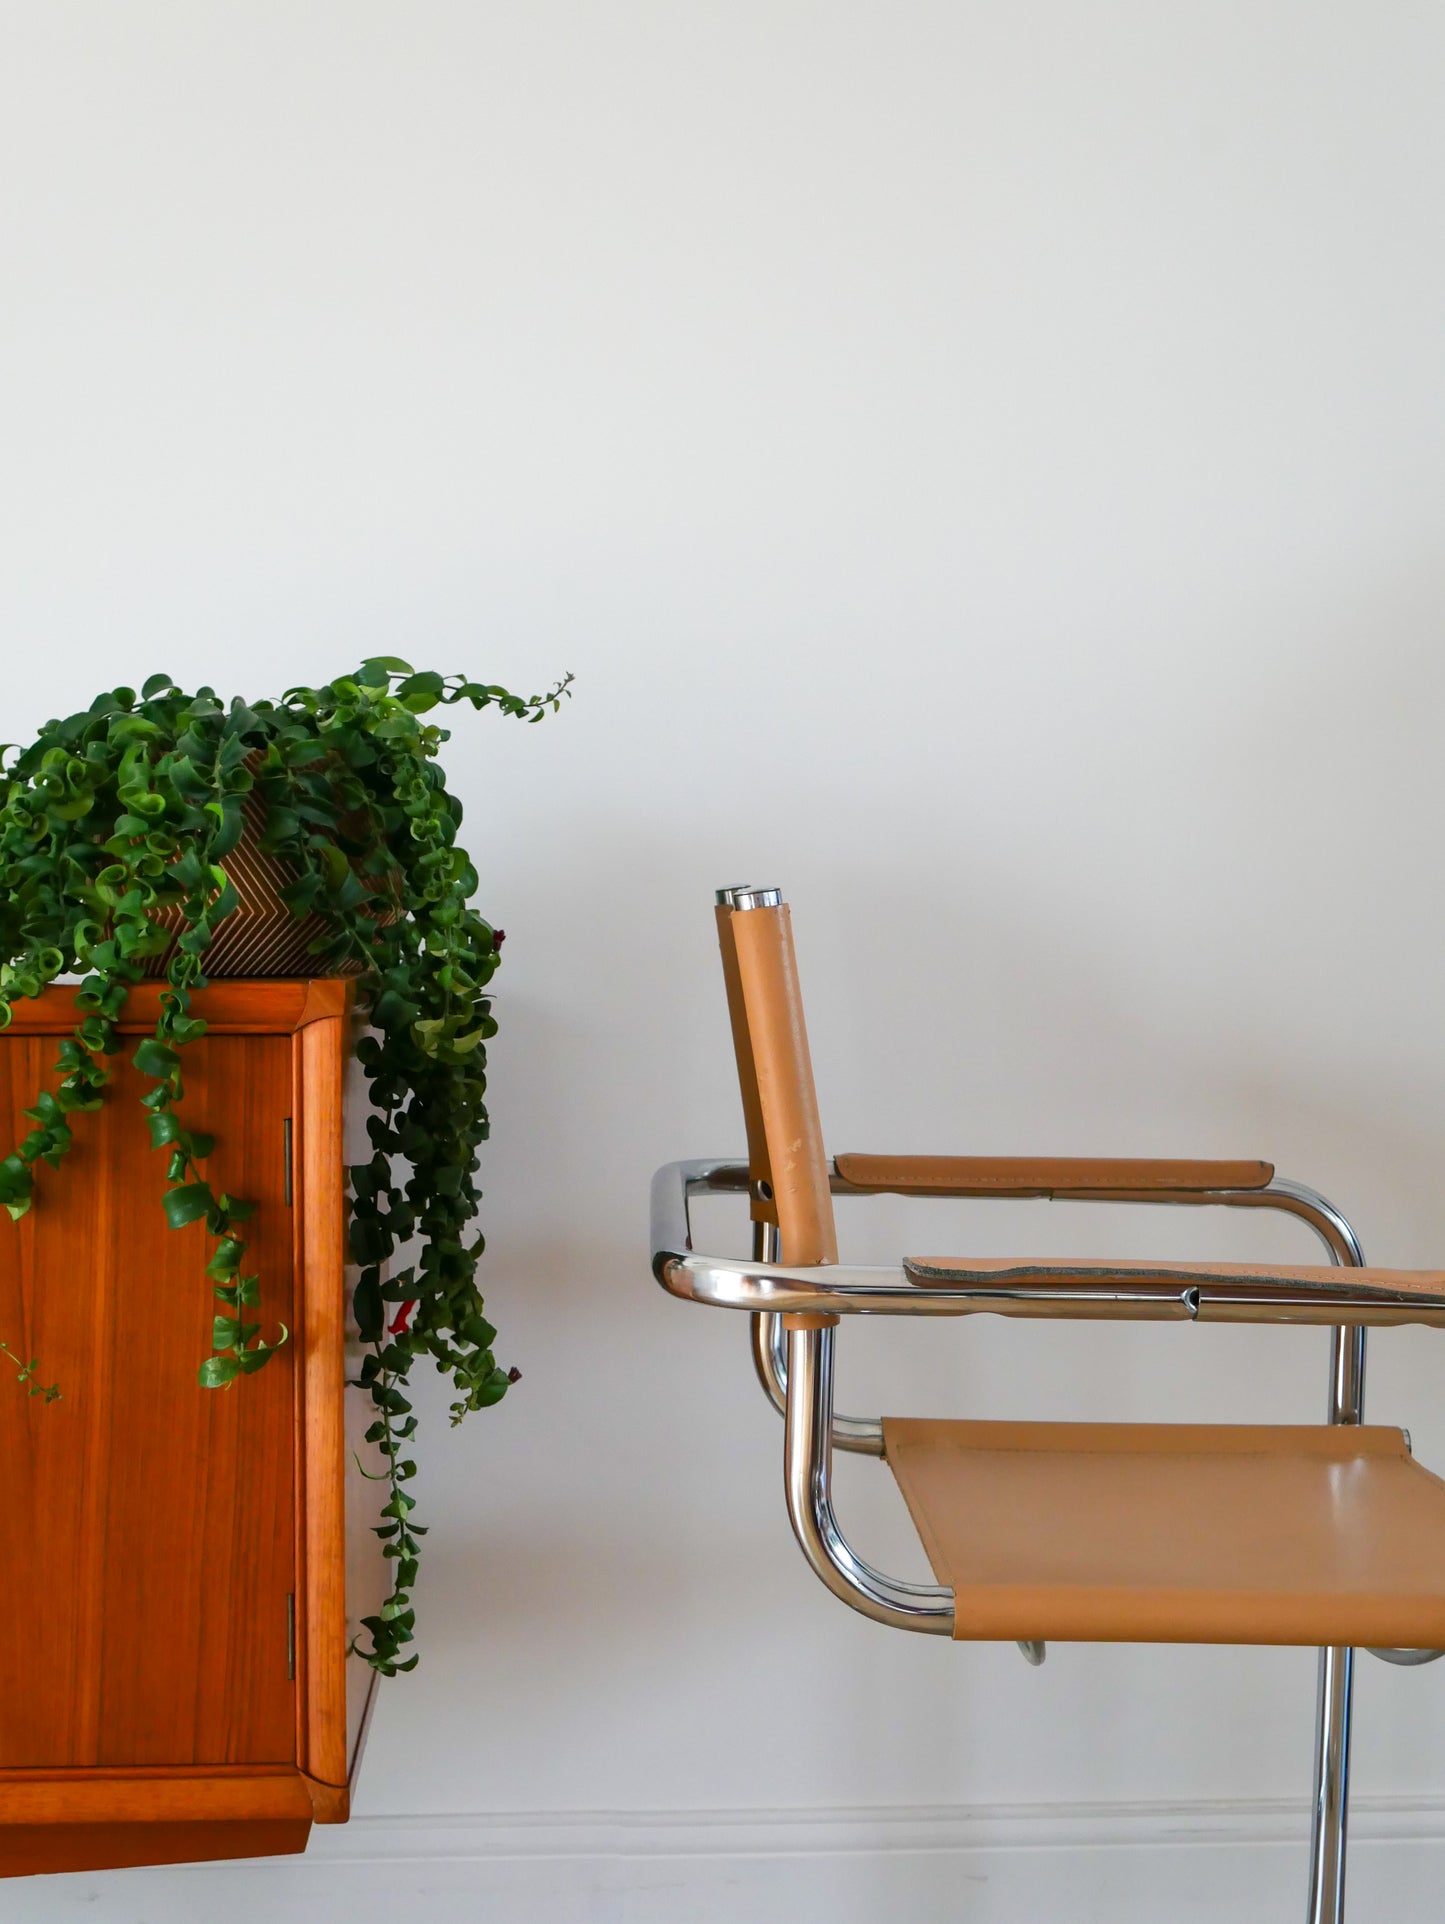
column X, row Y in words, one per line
column 261, row 937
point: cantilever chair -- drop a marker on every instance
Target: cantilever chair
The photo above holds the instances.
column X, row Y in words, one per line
column 1330, row 1535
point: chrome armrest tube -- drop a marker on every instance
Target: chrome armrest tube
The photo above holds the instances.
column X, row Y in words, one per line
column 765, row 1287
column 864, row 1435
column 855, row 1289
column 738, row 1282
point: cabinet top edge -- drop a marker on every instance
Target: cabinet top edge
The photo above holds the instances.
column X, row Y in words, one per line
column 279, row 1005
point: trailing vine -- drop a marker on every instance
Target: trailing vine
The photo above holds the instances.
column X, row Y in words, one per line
column 25, row 1373
column 114, row 831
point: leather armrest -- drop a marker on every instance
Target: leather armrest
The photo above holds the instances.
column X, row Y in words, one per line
column 1043, row 1175
column 1235, row 1281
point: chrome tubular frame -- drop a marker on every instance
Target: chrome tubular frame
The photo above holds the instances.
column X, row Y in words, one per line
column 863, row 1435
column 1334, row 1707
column 795, row 1368
column 807, row 1481
column 1335, row 1691
column 843, row 1289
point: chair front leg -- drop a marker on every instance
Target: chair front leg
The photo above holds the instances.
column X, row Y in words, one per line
column 808, row 1485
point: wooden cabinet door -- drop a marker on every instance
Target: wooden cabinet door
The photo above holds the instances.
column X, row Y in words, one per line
column 150, row 1531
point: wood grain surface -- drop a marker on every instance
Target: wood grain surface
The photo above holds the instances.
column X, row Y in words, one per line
column 172, row 1549
column 321, row 1226
column 152, row 1521
column 261, row 1007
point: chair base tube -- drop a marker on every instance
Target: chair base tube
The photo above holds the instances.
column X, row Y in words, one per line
column 1334, row 1701
column 1332, row 1787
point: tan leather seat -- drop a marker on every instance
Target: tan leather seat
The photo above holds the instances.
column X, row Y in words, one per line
column 1174, row 1533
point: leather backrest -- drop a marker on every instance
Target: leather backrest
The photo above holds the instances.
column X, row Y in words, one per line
column 787, row 1162
column 760, row 1170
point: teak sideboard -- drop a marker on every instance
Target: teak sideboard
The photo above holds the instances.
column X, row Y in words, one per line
column 177, row 1685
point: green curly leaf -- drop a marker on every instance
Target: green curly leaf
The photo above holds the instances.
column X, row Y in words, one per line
column 187, row 1203
column 154, row 1058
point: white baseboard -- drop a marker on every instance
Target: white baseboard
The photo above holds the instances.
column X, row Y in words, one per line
column 867, row 1830
column 1036, row 1864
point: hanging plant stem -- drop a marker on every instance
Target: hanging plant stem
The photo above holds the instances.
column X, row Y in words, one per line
column 25, row 1373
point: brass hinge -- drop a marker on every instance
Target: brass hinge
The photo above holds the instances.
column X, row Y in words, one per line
column 291, row 1636
column 287, row 1153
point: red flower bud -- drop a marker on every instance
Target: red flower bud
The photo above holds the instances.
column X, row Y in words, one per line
column 402, row 1321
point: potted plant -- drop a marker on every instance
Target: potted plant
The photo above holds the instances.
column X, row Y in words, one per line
column 129, row 836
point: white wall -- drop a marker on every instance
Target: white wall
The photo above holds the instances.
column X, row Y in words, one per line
column 983, row 465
